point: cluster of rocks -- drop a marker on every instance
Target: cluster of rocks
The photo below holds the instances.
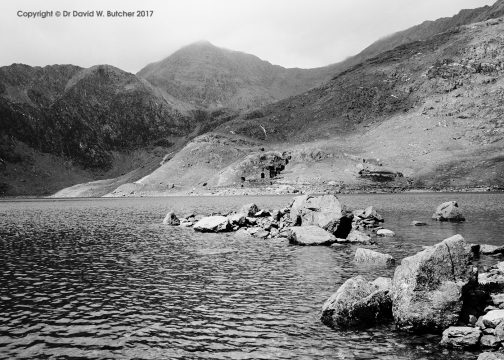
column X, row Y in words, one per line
column 308, row 220
column 438, row 290
column 257, row 222
column 366, row 219
column 487, row 330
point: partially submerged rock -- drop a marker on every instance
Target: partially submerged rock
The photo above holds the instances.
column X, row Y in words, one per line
column 324, row 211
column 171, row 219
column 310, row 235
column 418, row 223
column 385, row 233
column 461, row 337
column 249, row 210
column 212, row 224
column 371, row 257
column 366, row 218
column 357, row 303
column 427, row 287
column 357, row 236
column 237, row 219
column 491, row 249
column 448, row 211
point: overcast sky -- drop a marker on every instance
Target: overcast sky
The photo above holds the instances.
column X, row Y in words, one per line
column 291, row 33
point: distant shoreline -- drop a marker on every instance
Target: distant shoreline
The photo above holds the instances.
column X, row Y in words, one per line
column 246, row 192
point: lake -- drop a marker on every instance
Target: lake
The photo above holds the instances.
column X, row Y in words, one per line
column 104, row 278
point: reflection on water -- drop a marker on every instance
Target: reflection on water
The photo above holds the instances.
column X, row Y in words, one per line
column 104, row 278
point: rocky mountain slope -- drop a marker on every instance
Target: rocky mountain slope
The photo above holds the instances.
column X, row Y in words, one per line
column 210, row 77
column 427, row 113
column 84, row 118
column 421, row 108
column 424, row 31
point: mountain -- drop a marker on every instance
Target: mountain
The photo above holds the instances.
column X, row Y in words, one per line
column 423, row 31
column 421, row 108
column 85, row 117
column 425, row 114
column 210, row 77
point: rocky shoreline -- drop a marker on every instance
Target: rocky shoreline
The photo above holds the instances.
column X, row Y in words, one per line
column 440, row 290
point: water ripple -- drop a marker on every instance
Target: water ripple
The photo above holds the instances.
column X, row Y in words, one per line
column 105, row 279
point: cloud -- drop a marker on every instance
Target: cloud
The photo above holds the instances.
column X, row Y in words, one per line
column 291, row 33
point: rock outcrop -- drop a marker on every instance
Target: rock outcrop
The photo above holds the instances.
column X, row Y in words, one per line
column 448, row 211
column 357, row 304
column 427, row 287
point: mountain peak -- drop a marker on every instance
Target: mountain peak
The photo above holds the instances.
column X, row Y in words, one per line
column 201, row 43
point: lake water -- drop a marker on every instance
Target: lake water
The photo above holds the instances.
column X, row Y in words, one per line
column 103, row 278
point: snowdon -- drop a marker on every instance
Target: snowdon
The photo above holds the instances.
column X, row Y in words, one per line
column 120, row 13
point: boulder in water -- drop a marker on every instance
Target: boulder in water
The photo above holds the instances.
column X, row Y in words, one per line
column 212, row 224
column 491, row 249
column 356, row 236
column 371, row 257
column 324, row 211
column 310, row 235
column 385, row 233
column 427, row 287
column 448, row 211
column 237, row 219
column 461, row 337
column 357, row 303
column 249, row 210
column 171, row 219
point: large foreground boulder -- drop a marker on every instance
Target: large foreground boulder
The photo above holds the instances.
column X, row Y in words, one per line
column 448, row 211
column 427, row 287
column 357, row 304
column 212, row 224
column 310, row 235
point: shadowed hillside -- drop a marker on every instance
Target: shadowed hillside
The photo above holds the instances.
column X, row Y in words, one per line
column 81, row 117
